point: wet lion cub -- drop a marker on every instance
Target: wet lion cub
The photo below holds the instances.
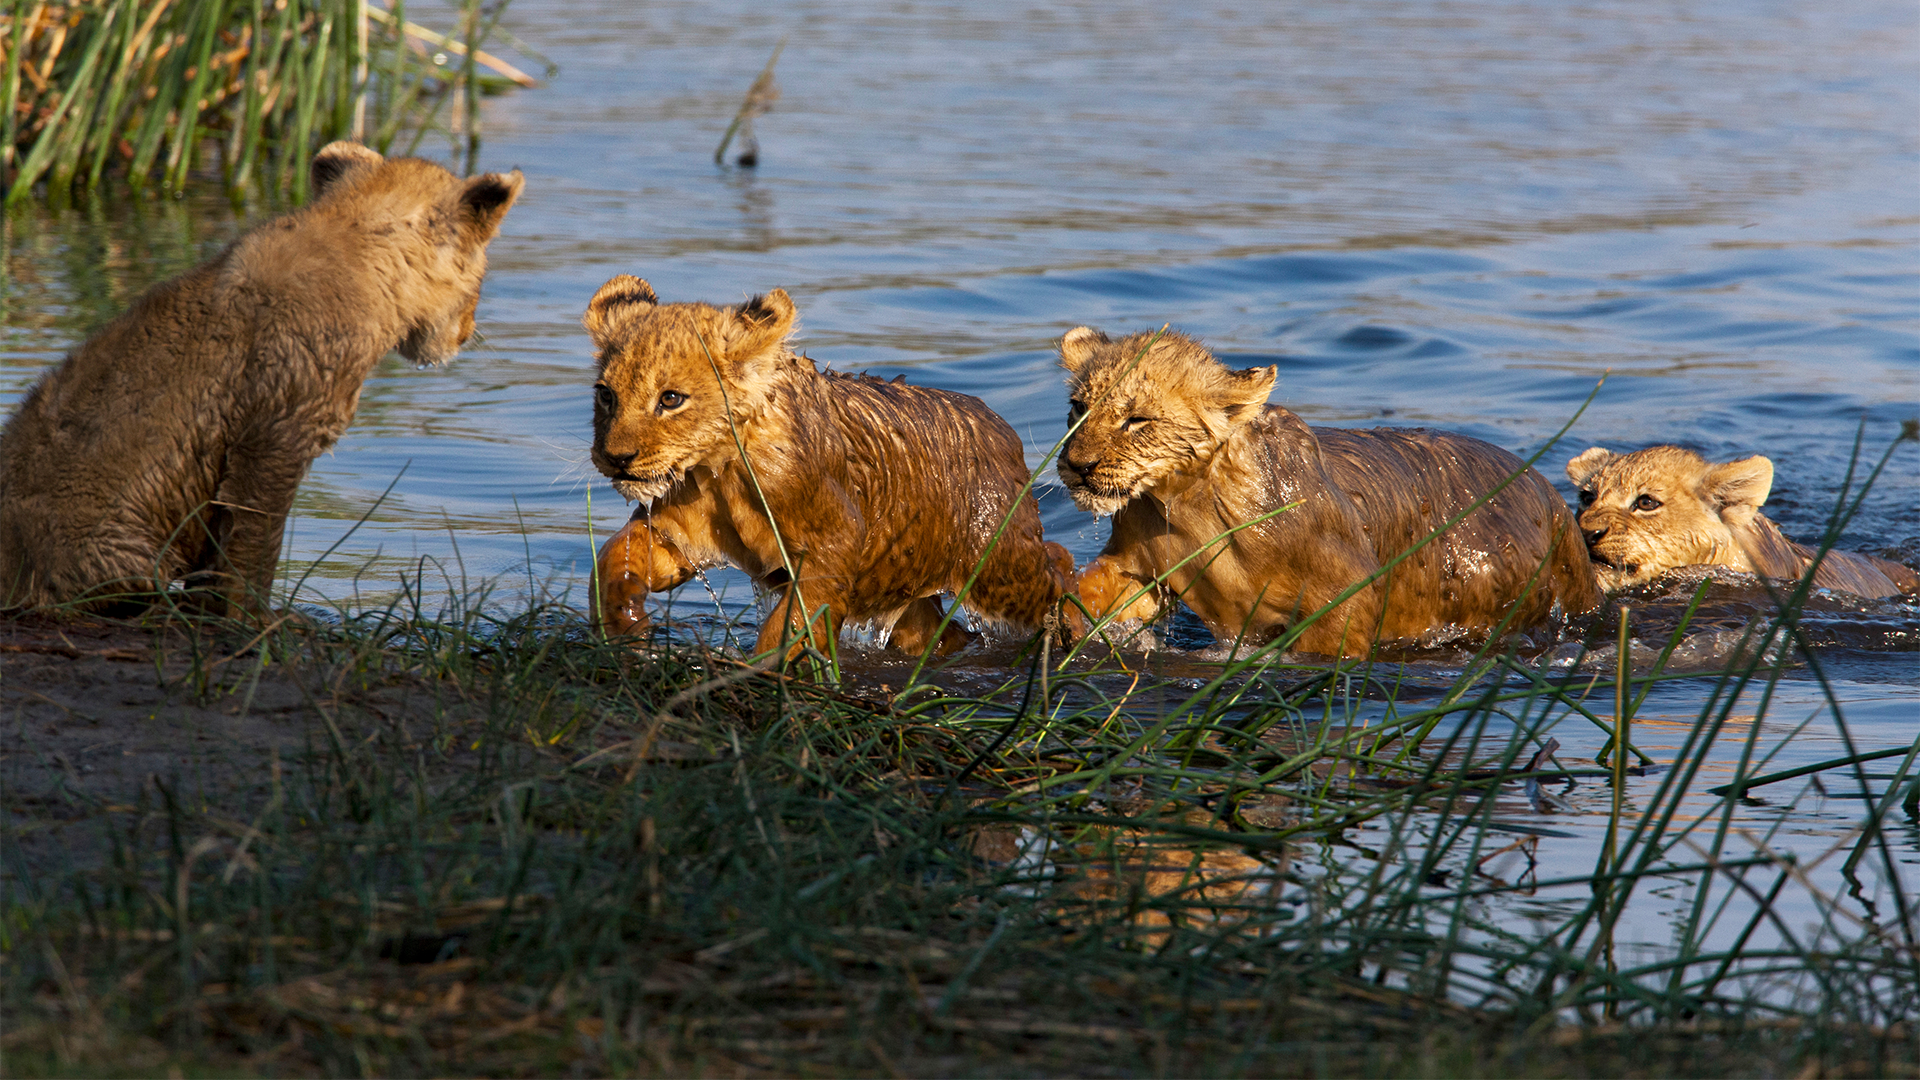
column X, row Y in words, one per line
column 1666, row 507
column 168, row 446
column 877, row 494
column 1180, row 450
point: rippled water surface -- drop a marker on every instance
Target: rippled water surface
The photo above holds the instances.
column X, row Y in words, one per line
column 1460, row 215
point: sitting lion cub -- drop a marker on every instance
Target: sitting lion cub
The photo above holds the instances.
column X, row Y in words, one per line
column 1180, row 449
column 877, row 495
column 169, row 444
column 1665, row 507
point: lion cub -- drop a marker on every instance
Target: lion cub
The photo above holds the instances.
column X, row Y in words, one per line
column 1180, row 449
column 1665, row 507
column 169, row 444
column 876, row 495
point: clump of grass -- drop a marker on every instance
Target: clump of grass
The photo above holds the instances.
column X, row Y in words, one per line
column 157, row 90
column 509, row 846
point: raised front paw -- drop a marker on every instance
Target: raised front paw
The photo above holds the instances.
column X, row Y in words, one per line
column 1107, row 591
column 913, row 631
column 621, row 606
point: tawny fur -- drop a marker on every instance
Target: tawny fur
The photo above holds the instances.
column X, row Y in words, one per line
column 884, row 494
column 168, row 446
column 1665, row 507
column 1180, row 449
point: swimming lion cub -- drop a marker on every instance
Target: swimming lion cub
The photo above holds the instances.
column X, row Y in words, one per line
column 1180, row 449
column 168, row 446
column 880, row 495
column 1666, row 507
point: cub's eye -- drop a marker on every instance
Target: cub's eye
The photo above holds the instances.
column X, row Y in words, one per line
column 1646, row 502
column 604, row 397
column 1134, row 423
column 1076, row 409
column 1586, row 498
column 672, row 399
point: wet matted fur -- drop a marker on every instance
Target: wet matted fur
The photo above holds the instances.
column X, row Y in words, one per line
column 1180, row 449
column 1665, row 507
column 168, row 446
column 884, row 494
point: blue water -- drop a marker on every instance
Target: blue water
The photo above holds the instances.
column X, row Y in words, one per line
column 1462, row 215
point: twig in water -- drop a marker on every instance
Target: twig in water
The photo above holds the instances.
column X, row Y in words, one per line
column 760, row 98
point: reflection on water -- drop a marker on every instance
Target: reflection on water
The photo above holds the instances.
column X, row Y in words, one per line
column 1493, row 852
column 756, row 211
column 65, row 274
column 1459, row 217
column 1157, row 880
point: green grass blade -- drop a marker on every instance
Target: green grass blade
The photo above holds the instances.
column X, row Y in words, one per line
column 52, row 137
column 204, row 32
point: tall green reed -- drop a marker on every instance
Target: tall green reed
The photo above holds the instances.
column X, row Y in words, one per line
column 157, row 91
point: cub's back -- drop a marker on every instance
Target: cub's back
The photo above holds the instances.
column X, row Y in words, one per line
column 129, row 425
column 917, row 449
column 1419, row 475
column 1409, row 482
column 1771, row 555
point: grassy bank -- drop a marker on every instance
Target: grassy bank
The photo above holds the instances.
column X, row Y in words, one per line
column 433, row 839
column 159, row 91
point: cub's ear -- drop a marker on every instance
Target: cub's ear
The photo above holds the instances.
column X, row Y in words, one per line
column 336, row 160
column 485, row 200
column 622, row 293
column 1584, row 465
column 1077, row 346
column 1739, row 488
column 1246, row 391
column 761, row 324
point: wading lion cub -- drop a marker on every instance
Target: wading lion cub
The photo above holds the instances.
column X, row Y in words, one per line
column 1180, row 449
column 1665, row 507
column 167, row 447
column 881, row 494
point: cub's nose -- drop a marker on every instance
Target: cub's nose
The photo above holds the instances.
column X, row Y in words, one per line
column 617, row 462
column 1084, row 468
column 1592, row 536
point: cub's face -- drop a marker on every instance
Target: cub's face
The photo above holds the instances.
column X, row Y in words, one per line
column 445, row 222
column 1653, row 510
column 1148, row 406
column 675, row 380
